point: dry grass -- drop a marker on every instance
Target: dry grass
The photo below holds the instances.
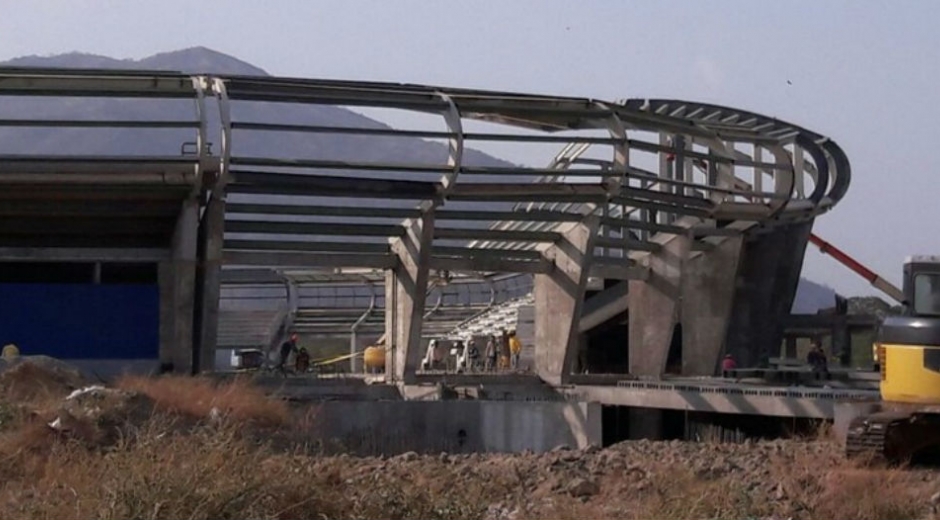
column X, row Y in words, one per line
column 211, row 470
column 851, row 489
column 206, row 474
column 235, row 399
column 215, row 473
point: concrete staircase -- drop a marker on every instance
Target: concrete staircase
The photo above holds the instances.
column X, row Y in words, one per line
column 442, row 320
column 515, row 314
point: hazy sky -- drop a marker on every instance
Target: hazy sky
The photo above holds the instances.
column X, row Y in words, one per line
column 865, row 73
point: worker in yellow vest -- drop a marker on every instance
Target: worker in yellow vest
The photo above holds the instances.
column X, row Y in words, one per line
column 515, row 350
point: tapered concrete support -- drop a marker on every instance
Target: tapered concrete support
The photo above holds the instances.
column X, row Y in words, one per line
column 708, row 289
column 208, row 285
column 768, row 276
column 654, row 307
column 177, row 279
column 559, row 296
column 405, row 293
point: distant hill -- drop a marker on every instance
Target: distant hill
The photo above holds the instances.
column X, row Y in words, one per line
column 203, row 60
column 194, row 59
column 809, row 298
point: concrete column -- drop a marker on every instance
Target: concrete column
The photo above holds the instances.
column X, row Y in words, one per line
column 654, row 307
column 559, row 296
column 405, row 293
column 842, row 341
column 208, row 285
column 177, row 295
column 353, row 348
column 708, row 289
column 166, row 284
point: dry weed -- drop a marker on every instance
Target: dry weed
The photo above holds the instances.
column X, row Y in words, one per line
column 843, row 488
column 869, row 494
column 206, row 473
column 236, row 399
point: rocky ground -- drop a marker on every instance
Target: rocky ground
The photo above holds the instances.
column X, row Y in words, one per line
column 643, row 479
column 185, row 448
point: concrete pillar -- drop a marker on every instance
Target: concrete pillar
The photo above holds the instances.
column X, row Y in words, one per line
column 177, row 279
column 708, row 290
column 654, row 307
column 405, row 293
column 208, row 285
column 842, row 341
column 353, row 349
column 790, row 349
column 559, row 296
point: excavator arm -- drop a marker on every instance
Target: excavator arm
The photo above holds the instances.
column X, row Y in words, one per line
column 878, row 282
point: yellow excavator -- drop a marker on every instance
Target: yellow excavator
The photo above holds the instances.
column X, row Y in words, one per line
column 906, row 423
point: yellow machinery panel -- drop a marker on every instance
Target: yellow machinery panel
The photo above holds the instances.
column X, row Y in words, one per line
column 908, row 375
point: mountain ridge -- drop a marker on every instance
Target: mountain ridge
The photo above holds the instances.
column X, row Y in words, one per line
column 196, row 59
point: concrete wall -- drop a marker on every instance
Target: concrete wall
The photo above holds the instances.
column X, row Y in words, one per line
column 389, row 427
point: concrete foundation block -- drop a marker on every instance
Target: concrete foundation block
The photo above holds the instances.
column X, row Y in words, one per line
column 845, row 413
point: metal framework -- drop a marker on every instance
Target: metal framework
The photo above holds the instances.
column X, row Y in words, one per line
column 648, row 169
column 669, row 166
column 704, row 155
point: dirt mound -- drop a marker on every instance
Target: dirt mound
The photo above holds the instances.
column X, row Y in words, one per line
column 37, row 378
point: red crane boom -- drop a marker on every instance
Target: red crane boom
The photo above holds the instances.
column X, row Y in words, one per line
column 878, row 282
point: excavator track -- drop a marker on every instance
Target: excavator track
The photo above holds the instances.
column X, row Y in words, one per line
column 871, row 437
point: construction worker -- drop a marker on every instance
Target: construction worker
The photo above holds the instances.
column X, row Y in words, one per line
column 473, row 353
column 490, row 352
column 287, row 348
column 817, row 358
column 728, row 364
column 515, row 350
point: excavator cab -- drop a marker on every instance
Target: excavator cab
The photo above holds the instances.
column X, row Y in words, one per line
column 908, row 347
column 922, row 283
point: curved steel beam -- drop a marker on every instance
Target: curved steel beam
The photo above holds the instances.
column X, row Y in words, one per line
column 225, row 117
column 455, row 144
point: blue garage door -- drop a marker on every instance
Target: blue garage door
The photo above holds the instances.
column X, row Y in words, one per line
column 81, row 321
